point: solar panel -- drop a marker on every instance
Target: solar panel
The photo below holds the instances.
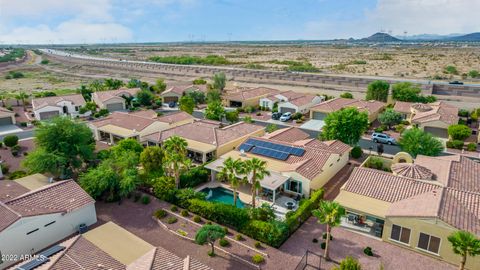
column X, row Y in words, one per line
column 270, row 153
column 278, row 147
column 51, row 251
column 245, row 147
column 41, row 258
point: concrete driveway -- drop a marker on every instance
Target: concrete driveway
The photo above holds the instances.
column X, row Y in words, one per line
column 313, row 124
column 7, row 129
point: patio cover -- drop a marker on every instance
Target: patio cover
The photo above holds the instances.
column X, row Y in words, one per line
column 119, row 131
column 272, row 182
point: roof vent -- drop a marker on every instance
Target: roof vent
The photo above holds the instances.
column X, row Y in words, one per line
column 50, row 180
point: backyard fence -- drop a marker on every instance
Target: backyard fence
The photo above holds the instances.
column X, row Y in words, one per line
column 309, row 260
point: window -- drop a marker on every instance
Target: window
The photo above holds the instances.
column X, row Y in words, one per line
column 400, row 234
column 294, row 186
column 30, row 232
column 48, row 224
column 429, row 243
column 77, row 108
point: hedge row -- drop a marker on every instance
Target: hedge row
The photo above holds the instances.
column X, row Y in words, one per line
column 225, row 214
column 193, row 177
column 304, row 211
column 273, row 233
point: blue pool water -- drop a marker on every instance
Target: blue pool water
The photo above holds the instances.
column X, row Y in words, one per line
column 222, row 195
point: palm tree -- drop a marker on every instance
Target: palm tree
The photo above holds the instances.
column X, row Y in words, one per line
column 258, row 170
column 176, row 160
column 22, row 96
column 329, row 213
column 464, row 244
column 3, row 97
column 230, row 171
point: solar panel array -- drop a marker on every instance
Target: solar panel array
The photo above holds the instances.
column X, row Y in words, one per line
column 41, row 258
column 271, row 150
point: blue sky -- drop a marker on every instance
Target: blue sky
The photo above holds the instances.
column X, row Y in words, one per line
column 79, row 21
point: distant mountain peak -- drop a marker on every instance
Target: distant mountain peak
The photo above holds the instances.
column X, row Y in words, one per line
column 380, row 37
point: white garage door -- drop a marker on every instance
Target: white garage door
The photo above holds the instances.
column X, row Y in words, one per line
column 285, row 109
column 48, row 115
column 114, row 107
column 437, row 132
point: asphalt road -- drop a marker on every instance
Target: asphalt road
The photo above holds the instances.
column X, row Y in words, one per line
column 25, row 134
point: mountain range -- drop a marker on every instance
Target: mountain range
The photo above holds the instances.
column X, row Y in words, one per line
column 384, row 37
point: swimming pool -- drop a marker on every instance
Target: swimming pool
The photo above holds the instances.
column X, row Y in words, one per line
column 222, row 195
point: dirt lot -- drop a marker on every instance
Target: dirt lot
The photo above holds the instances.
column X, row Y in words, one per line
column 419, row 61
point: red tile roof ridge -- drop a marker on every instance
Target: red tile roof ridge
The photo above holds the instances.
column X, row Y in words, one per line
column 52, row 185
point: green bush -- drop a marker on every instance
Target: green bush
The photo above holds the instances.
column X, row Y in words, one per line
column 10, row 140
column 173, row 208
column 211, row 60
column 5, row 168
column 463, row 113
column 193, row 177
column 223, row 242
column 183, row 196
column 249, row 109
column 374, row 163
column 145, row 199
column 239, row 237
column 314, row 240
column 258, row 245
column 220, row 213
column 368, row 251
column 472, row 147
column 323, row 245
column 379, row 129
column 44, row 62
column 297, row 116
column 346, row 95
column 350, row 263
column 356, row 152
column 160, row 213
column 23, row 124
column 459, row 132
column 17, row 174
column 304, row 211
column 273, row 233
column 399, row 128
column 257, row 259
column 324, row 236
column 171, row 220
column 226, row 230
column 184, row 213
column 456, row 144
column 197, row 219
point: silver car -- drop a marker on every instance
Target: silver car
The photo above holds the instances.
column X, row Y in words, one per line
column 383, row 138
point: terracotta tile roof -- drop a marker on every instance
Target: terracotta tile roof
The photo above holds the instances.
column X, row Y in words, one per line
column 285, row 96
column 461, row 209
column 124, row 120
column 245, row 94
column 180, row 89
column 63, row 196
column 403, row 107
column 384, row 186
column 145, row 113
column 175, row 117
column 305, row 99
column 336, row 104
column 465, row 175
column 103, row 96
column 4, row 112
column 38, row 103
column 311, row 163
column 440, row 111
column 11, row 189
column 83, row 254
column 420, row 205
column 289, row 134
column 208, row 132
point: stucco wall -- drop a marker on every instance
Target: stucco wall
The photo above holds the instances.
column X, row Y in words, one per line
column 432, row 227
column 222, row 149
column 14, row 239
column 337, row 162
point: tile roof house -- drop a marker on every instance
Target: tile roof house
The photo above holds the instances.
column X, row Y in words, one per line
column 290, row 101
column 111, row 247
column 295, row 174
column 432, row 196
column 207, row 139
column 243, row 97
column 174, row 93
column 122, row 125
column 31, row 220
column 113, row 100
column 49, row 107
column 7, row 117
column 434, row 118
column 372, row 107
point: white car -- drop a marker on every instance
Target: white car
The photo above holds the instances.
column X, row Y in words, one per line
column 286, row 116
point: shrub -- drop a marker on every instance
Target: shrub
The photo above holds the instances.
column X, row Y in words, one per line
column 258, row 245
column 226, row 230
column 463, row 113
column 239, row 237
column 374, row 163
column 171, row 220
column 182, row 232
column 368, row 251
column 220, row 213
column 459, row 132
column 160, row 213
column 350, row 263
column 456, row 144
column 324, row 236
column 297, row 116
column 379, row 129
column 346, row 95
column 323, row 245
column 259, row 114
column 224, row 242
column 145, row 199
column 17, row 174
column 314, row 240
column 193, row 177
column 183, row 196
column 273, row 233
column 304, row 211
column 5, row 168
column 249, row 109
column 23, row 124
column 1, row 144
column 399, row 128
column 471, row 147
column 356, row 152
column 173, row 208
column 257, row 258
column 197, row 219
column 184, row 213
column 10, row 140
